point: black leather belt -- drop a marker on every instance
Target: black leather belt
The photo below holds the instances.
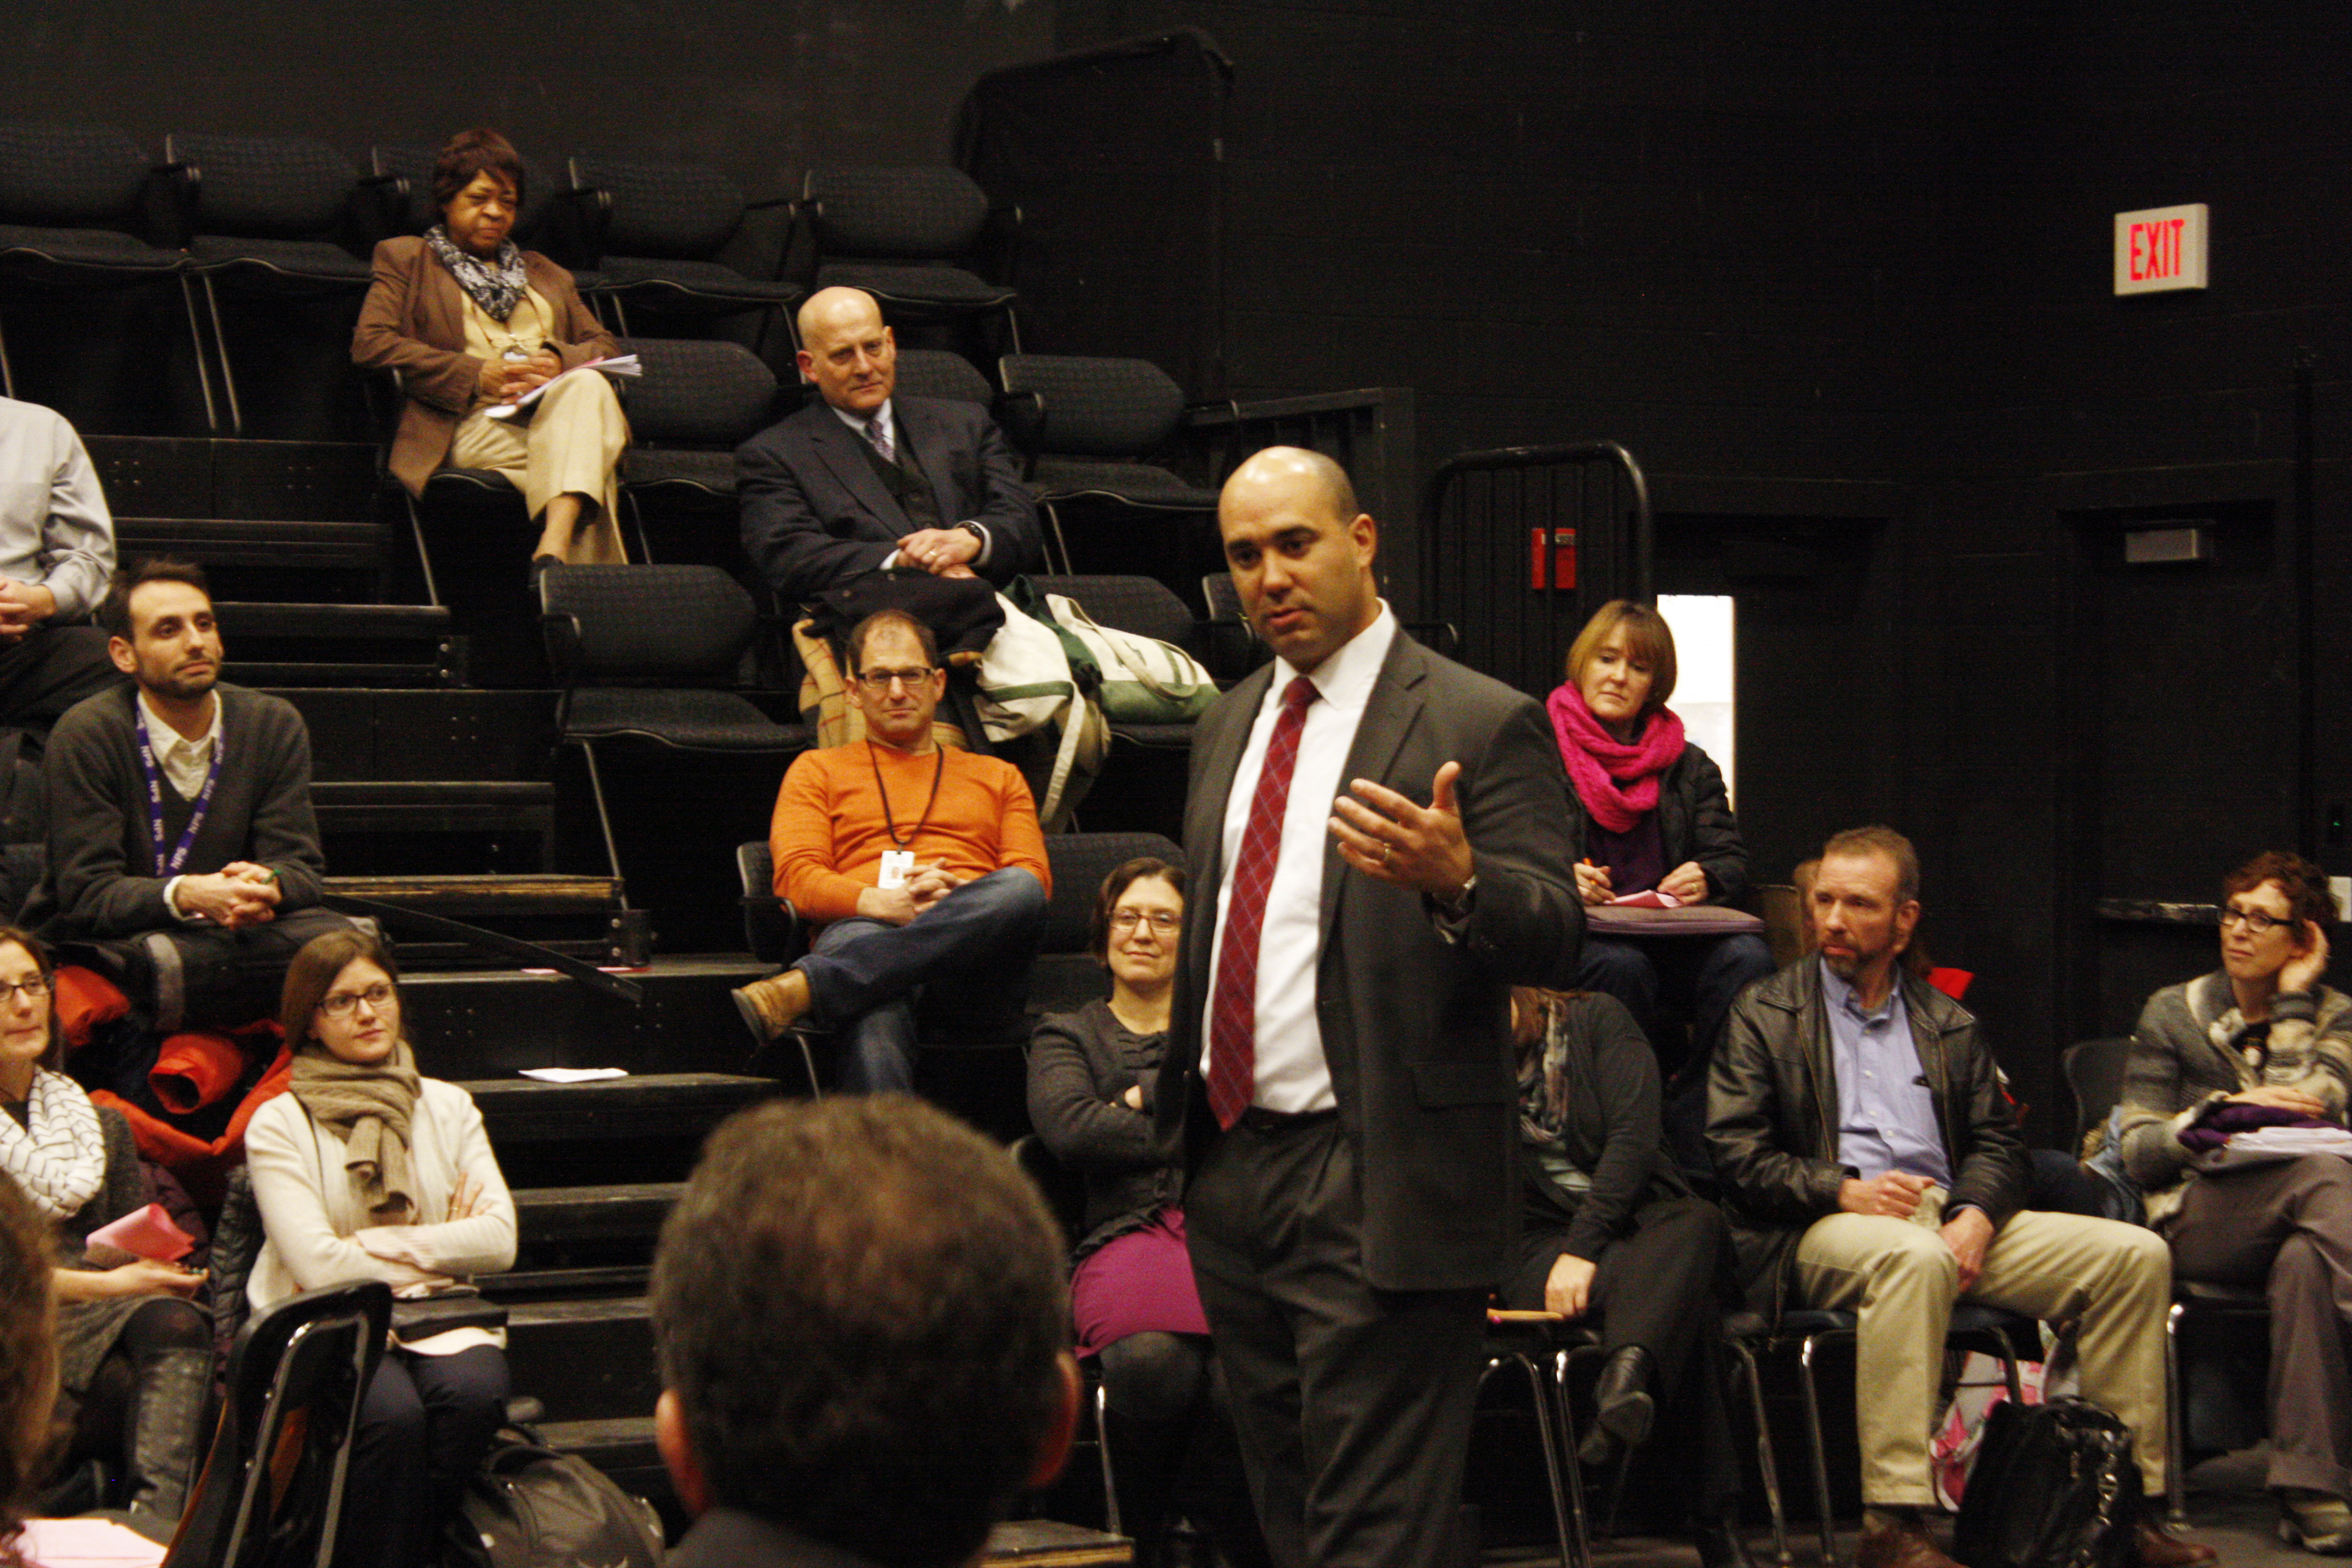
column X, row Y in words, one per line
column 1258, row 1118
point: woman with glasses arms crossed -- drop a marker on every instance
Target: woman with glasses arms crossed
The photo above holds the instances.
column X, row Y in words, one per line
column 365, row 1171
column 2260, row 1040
column 1132, row 1299
column 134, row 1355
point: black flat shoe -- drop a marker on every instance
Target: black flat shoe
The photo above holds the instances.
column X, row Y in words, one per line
column 1622, row 1407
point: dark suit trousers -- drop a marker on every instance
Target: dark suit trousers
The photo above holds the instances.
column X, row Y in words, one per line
column 1352, row 1403
column 1661, row 1287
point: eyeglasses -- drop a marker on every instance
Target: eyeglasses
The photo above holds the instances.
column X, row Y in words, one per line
column 877, row 681
column 335, row 1003
column 31, row 989
column 2254, row 921
column 1162, row 921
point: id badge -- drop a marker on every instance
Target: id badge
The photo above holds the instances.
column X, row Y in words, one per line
column 898, row 865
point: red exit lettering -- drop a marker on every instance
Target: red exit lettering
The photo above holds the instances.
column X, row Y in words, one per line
column 2156, row 250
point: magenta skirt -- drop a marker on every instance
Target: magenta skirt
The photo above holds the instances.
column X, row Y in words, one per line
column 1137, row 1283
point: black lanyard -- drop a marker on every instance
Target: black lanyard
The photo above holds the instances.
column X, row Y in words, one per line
column 889, row 822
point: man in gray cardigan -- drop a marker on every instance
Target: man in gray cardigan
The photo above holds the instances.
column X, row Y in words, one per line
column 182, row 846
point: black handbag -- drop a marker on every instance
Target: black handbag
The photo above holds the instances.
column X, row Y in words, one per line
column 464, row 1308
column 530, row 1507
column 2053, row 1486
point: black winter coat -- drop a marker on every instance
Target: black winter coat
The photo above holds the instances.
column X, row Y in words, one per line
column 1694, row 822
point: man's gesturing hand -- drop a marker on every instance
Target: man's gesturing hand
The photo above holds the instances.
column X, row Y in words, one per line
column 1387, row 838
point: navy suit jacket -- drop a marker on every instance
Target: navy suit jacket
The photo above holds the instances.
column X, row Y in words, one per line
column 815, row 512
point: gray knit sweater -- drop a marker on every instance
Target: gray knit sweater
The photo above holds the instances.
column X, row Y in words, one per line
column 2189, row 1051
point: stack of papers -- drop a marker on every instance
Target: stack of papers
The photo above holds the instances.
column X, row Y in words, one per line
column 86, row 1544
column 1652, row 900
column 2266, row 1145
column 618, row 364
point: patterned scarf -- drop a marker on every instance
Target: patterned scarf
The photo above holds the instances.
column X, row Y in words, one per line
column 369, row 1108
column 60, row 1158
column 1598, row 762
column 496, row 286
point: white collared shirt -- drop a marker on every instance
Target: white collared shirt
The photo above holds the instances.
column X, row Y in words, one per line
column 1293, row 1074
column 184, row 764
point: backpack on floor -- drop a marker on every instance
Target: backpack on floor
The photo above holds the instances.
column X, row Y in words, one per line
column 530, row 1507
column 2054, row 1486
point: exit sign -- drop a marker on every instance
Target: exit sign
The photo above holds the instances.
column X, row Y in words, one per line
column 2159, row 249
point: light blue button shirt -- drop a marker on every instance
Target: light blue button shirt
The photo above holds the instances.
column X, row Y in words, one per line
column 1886, row 1113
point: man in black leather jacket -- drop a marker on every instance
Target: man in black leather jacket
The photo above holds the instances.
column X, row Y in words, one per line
column 1869, row 1162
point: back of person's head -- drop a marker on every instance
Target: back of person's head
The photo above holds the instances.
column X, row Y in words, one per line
column 2304, row 884
column 1648, row 640
column 28, row 1358
column 114, row 610
column 863, row 1321
column 471, row 153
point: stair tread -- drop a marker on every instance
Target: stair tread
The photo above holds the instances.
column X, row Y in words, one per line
column 285, row 619
column 518, row 889
column 336, row 792
column 617, row 1195
column 607, row 1310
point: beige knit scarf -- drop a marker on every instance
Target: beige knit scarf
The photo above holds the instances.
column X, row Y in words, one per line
column 369, row 1108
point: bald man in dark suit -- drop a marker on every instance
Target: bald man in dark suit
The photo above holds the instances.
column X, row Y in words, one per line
column 1378, row 847
column 862, row 480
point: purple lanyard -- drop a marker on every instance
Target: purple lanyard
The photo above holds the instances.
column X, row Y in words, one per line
column 179, row 856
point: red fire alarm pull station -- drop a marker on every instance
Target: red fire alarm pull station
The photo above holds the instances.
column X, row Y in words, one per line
column 1551, row 559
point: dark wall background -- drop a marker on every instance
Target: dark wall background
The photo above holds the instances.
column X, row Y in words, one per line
column 1837, row 272
column 761, row 87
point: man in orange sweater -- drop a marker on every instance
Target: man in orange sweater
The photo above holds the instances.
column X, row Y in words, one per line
column 925, row 865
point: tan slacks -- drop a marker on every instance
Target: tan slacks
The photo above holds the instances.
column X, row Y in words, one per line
column 571, row 445
column 1902, row 1280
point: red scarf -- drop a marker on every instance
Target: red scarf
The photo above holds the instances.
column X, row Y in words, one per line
column 1598, row 762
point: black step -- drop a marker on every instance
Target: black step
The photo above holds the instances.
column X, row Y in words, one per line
column 488, row 1025
column 328, row 672
column 654, row 1106
column 375, row 623
column 369, row 732
column 630, row 1210
column 439, row 806
column 238, row 542
column 585, row 1360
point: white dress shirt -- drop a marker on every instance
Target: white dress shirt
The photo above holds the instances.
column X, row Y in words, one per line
column 184, row 764
column 1292, row 1073
column 882, row 426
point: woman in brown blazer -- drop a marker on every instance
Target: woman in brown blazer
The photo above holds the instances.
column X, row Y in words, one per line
column 471, row 322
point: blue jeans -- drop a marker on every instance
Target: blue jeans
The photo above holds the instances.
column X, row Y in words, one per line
column 963, row 962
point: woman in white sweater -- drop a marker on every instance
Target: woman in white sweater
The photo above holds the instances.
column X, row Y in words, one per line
column 366, row 1171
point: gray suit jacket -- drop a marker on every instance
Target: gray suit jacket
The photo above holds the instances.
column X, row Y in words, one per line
column 815, row 512
column 1416, row 1027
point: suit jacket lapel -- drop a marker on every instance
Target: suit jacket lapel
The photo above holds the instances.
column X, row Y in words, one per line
column 844, row 452
column 1390, row 712
column 1224, row 761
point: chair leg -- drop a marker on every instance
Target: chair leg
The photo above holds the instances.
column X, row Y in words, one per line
column 1547, row 1440
column 423, row 554
column 1767, row 1465
column 1102, row 1426
column 604, row 821
column 196, row 342
column 1566, row 1415
column 220, row 348
column 2176, row 1436
column 1820, row 1450
column 1061, row 546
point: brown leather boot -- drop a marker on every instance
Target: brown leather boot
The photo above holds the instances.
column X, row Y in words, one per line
column 1901, row 1543
column 2154, row 1546
column 770, row 1006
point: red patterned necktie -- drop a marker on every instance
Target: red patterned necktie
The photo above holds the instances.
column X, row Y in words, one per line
column 1232, row 1023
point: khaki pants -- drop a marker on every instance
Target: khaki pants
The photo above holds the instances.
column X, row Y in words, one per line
column 570, row 444
column 1902, row 1280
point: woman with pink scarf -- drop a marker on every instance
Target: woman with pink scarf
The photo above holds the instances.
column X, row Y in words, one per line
column 1648, row 811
